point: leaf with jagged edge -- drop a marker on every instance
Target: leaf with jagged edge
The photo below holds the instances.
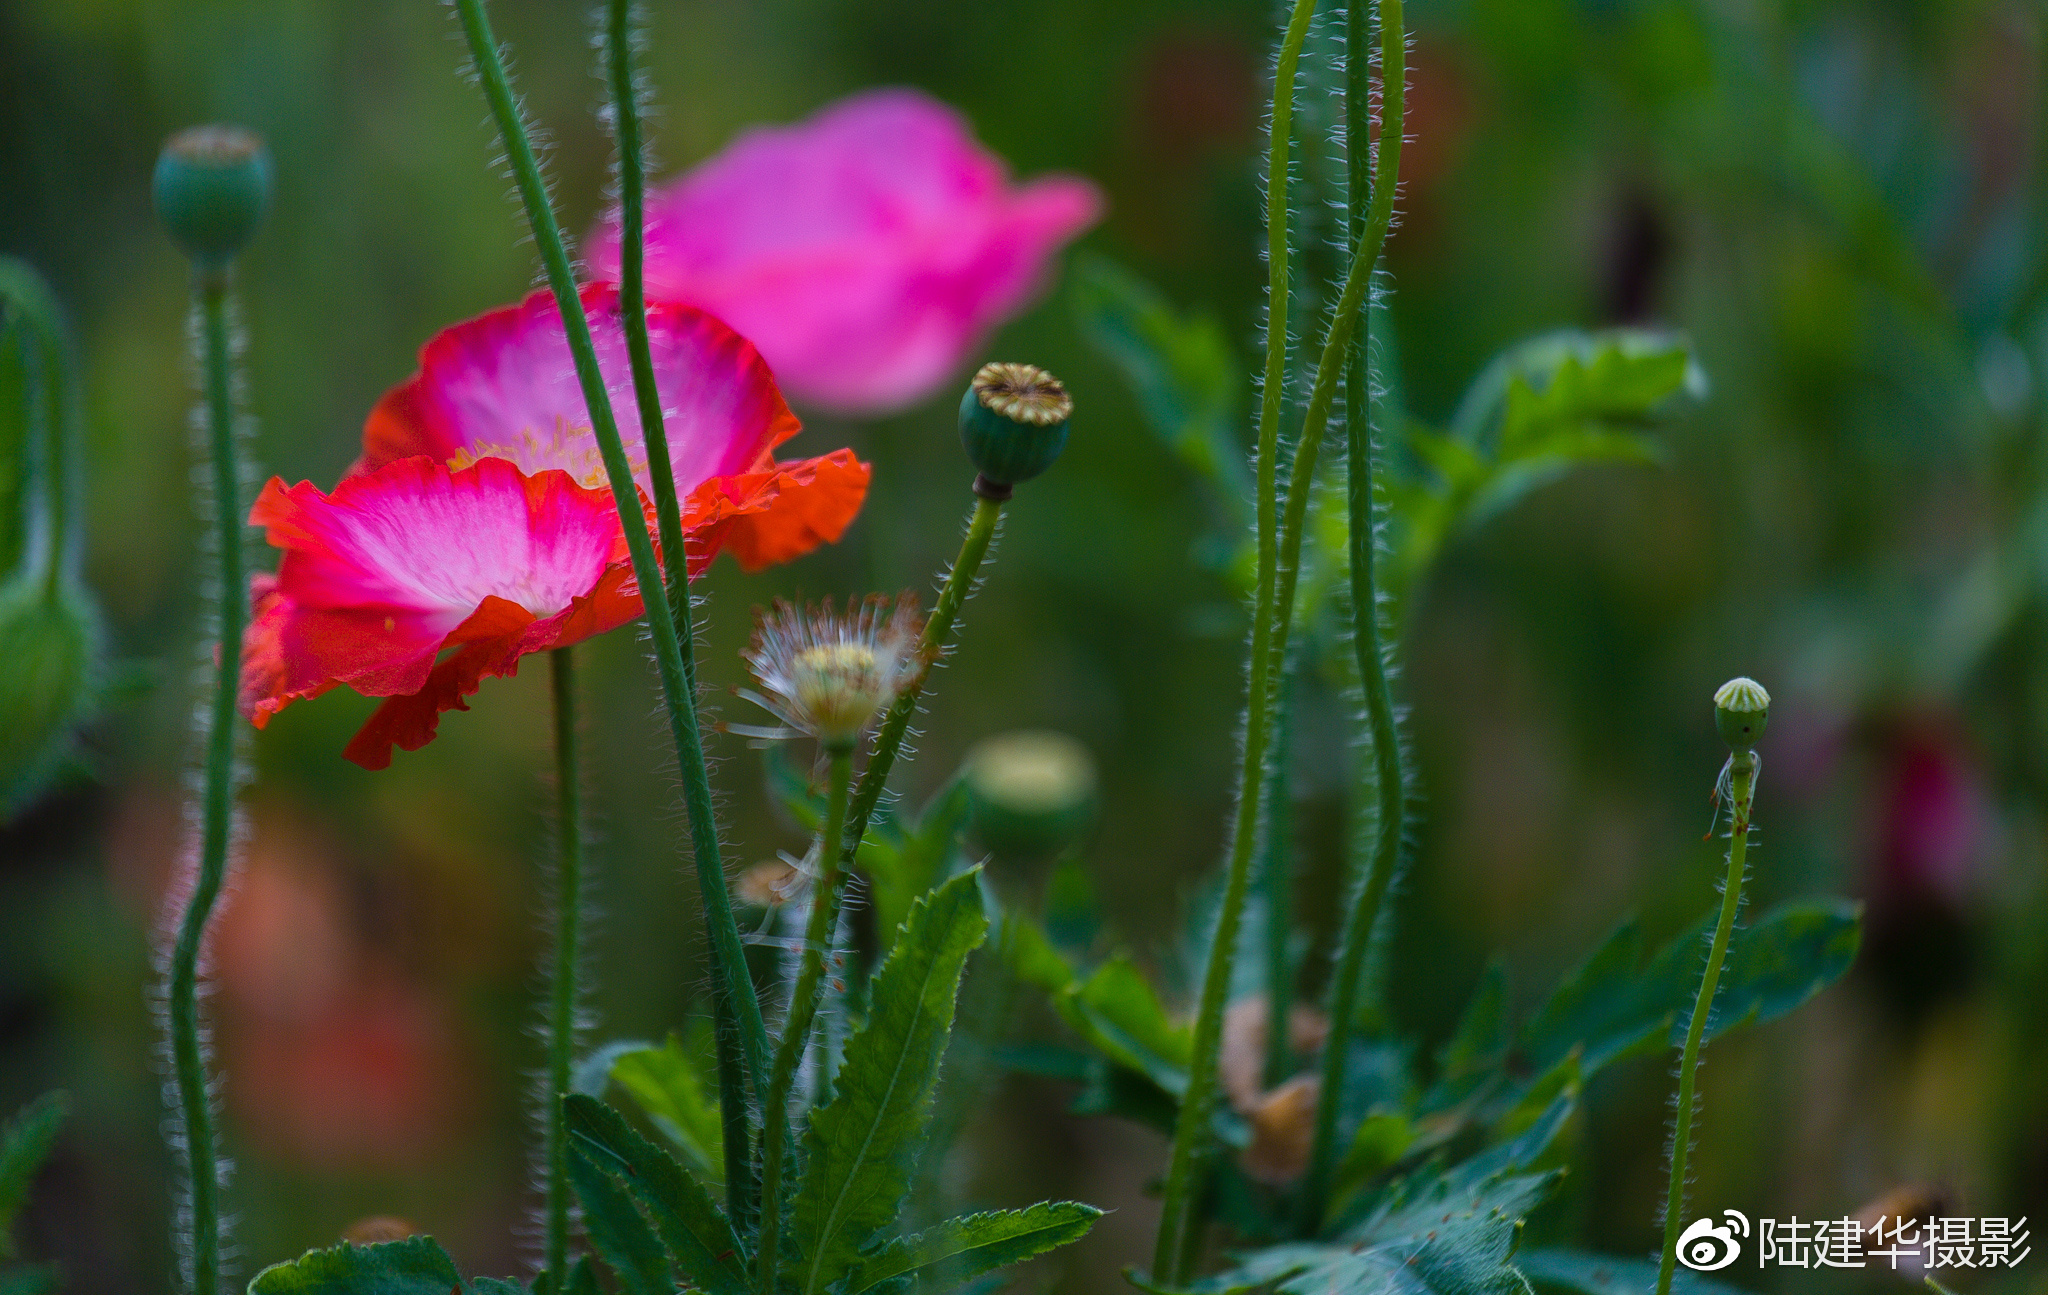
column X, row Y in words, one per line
column 1117, row 1010
column 672, row 1084
column 618, row 1232
column 414, row 1266
column 860, row 1149
column 699, row 1240
column 1789, row 955
column 961, row 1249
column 24, row 1145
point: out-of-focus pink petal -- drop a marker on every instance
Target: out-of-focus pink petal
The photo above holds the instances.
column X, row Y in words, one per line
column 866, row 251
column 504, row 385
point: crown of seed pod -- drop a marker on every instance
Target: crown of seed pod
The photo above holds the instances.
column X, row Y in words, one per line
column 829, row 674
column 1741, row 707
column 212, row 188
column 1013, row 421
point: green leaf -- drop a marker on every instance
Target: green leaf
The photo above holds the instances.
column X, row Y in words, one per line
column 509, row 1286
column 1795, row 951
column 24, row 1145
column 414, row 1266
column 1599, row 1007
column 861, row 1148
column 583, row 1278
column 1180, row 367
column 1596, row 1274
column 1383, row 1137
column 961, row 1249
column 670, row 1084
column 1023, row 944
column 700, row 1242
column 618, row 1232
column 31, row 1279
column 1117, row 1010
column 903, row 864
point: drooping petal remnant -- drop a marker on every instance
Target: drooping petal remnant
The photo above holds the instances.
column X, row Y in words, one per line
column 414, row 560
column 866, row 251
column 504, row 385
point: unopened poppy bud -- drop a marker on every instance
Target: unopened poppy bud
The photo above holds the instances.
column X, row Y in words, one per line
column 1013, row 421
column 1740, row 708
column 1031, row 794
column 212, row 189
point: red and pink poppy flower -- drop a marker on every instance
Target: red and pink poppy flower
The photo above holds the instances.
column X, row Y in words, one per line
column 479, row 526
column 866, row 251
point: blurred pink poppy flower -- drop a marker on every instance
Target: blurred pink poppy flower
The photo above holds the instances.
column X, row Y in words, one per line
column 865, row 251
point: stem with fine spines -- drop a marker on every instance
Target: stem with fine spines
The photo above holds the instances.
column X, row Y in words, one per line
column 217, row 797
column 981, row 531
column 1742, row 779
column 625, row 102
column 803, row 1009
column 562, row 1013
column 1174, row 1220
column 730, row 982
column 1369, row 228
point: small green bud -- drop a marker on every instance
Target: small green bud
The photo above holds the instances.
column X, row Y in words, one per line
column 1013, row 421
column 1741, row 706
column 212, row 188
column 1030, row 794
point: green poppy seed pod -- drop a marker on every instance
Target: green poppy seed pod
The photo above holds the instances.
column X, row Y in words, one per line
column 1741, row 706
column 1030, row 794
column 212, row 188
column 1013, row 421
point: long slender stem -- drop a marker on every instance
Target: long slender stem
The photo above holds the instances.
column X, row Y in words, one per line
column 1276, row 887
column 562, row 1013
column 1174, row 1220
column 730, row 982
column 625, row 104
column 981, row 531
column 217, row 801
column 803, row 1009
column 1368, row 891
column 1742, row 772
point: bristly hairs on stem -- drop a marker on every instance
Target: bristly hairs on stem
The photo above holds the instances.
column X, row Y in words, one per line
column 743, row 1046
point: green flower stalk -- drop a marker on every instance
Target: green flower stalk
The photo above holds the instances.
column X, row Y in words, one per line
column 1279, row 553
column 732, row 988
column 1013, row 423
column 828, row 676
column 1741, row 708
column 212, row 187
column 564, row 976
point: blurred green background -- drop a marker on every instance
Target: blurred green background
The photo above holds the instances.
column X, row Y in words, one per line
column 1842, row 204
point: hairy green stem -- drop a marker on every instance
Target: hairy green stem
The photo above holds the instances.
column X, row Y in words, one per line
column 1175, row 1208
column 1742, row 775
column 625, row 103
column 568, row 903
column 217, row 798
column 803, row 1009
column 1368, row 891
column 981, row 531
column 1276, row 886
column 730, row 983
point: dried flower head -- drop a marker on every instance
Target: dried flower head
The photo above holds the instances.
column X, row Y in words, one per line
column 829, row 674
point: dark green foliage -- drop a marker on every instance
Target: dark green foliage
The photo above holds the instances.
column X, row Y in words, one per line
column 674, row 1085
column 414, row 1266
column 700, row 1241
column 1593, row 1274
column 24, row 1145
column 964, row 1248
column 617, row 1231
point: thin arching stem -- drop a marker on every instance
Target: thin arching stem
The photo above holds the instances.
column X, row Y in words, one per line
column 562, row 1007
column 217, row 797
column 803, row 1010
column 730, row 982
column 1742, row 777
column 1175, row 1214
column 1369, row 228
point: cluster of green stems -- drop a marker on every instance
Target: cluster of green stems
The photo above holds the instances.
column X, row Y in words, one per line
column 1341, row 363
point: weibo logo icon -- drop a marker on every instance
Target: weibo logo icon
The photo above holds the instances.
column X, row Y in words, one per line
column 1704, row 1247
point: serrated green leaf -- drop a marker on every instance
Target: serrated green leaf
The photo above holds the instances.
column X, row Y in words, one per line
column 1792, row 953
column 583, row 1278
column 617, row 1231
column 508, row 1286
column 961, row 1249
column 1596, row 1274
column 414, row 1266
column 1599, row 1007
column 860, row 1149
column 700, row 1242
column 1382, row 1139
column 24, row 1145
column 1117, row 1010
column 670, row 1084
